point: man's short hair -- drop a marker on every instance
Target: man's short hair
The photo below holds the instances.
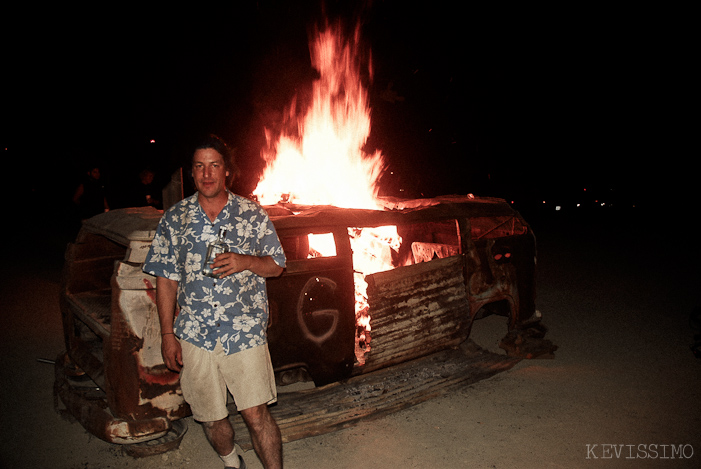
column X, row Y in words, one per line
column 217, row 144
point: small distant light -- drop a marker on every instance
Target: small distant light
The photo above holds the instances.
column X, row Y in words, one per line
column 557, row 208
column 153, row 141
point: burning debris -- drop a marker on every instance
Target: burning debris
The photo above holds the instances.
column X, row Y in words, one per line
column 325, row 163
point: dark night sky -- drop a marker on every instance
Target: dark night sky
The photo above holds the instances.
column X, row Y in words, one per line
column 513, row 104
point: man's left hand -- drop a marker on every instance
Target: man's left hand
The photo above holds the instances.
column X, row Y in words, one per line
column 230, row 262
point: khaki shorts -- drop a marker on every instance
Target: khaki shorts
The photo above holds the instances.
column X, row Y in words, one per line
column 206, row 376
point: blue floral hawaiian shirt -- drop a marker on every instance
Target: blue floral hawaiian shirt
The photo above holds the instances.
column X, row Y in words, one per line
column 233, row 309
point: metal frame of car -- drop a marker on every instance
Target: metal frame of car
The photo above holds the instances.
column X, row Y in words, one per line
column 466, row 256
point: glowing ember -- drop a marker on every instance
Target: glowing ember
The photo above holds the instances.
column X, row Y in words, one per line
column 325, row 164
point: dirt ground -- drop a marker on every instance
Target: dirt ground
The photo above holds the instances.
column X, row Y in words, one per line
column 622, row 391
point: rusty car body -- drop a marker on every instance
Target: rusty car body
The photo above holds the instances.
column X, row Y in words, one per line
column 460, row 258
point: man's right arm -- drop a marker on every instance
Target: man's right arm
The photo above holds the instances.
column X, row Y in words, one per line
column 166, row 297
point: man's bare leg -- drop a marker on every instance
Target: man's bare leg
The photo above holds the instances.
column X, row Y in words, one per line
column 265, row 435
column 220, row 435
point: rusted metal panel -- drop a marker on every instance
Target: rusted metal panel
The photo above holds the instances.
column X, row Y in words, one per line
column 93, row 309
column 416, row 310
column 90, row 410
column 139, row 386
column 397, row 212
column 426, row 252
column 112, row 332
column 502, row 269
column 125, row 225
column 89, row 262
column 312, row 317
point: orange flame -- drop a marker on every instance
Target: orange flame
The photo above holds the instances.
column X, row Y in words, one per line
column 326, row 164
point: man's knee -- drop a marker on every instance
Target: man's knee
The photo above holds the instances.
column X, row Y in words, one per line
column 220, row 434
column 218, row 427
column 216, row 423
column 257, row 417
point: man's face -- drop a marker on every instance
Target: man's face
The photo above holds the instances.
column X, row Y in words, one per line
column 209, row 172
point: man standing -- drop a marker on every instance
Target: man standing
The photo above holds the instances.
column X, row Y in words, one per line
column 218, row 339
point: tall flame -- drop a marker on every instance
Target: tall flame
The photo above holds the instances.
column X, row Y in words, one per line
column 326, row 164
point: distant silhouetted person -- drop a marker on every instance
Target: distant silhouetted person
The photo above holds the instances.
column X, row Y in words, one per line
column 90, row 195
column 146, row 192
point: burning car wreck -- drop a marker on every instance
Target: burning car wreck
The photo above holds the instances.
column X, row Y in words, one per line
column 451, row 260
column 371, row 284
